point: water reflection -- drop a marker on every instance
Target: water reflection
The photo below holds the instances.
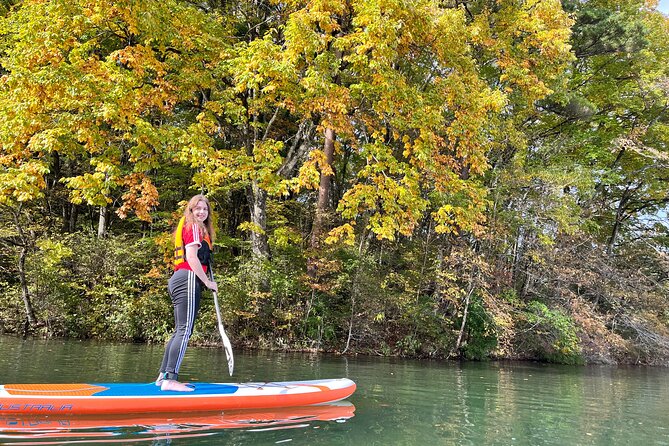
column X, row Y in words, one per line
column 43, row 430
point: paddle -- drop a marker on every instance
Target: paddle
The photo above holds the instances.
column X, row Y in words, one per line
column 226, row 342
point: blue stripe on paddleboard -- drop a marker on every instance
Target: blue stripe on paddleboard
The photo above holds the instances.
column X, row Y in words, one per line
column 150, row 389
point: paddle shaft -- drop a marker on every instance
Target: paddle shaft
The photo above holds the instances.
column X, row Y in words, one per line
column 224, row 337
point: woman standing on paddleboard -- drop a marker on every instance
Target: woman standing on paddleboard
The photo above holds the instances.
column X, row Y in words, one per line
column 193, row 241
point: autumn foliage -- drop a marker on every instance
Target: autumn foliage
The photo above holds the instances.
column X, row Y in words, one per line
column 427, row 178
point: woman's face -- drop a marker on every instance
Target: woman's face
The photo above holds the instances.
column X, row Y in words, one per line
column 201, row 211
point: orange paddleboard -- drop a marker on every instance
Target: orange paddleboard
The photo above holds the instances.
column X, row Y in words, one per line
column 126, row 398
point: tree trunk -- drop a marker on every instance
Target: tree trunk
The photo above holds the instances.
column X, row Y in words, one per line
column 620, row 216
column 458, row 342
column 66, row 211
column 465, row 312
column 614, row 233
column 74, row 215
column 258, row 207
column 25, row 294
column 55, row 169
column 23, row 252
column 438, row 281
column 257, row 198
column 322, row 206
column 70, row 216
column 102, row 222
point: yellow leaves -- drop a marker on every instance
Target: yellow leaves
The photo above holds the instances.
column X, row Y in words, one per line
column 261, row 64
column 248, row 226
column 319, row 158
column 323, row 97
column 284, row 236
column 389, row 191
column 266, row 153
column 92, row 188
column 209, row 123
column 344, row 233
column 47, row 141
column 463, row 210
column 309, row 30
column 148, row 142
column 52, row 253
column 309, row 174
column 193, row 147
column 214, row 107
column 530, row 45
column 452, row 37
column 447, row 219
column 23, row 182
column 227, row 167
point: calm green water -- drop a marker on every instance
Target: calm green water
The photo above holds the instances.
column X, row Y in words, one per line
column 397, row 402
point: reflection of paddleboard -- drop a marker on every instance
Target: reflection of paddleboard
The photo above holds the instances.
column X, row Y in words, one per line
column 101, row 425
column 114, row 398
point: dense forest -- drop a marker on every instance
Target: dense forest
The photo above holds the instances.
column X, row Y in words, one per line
column 422, row 178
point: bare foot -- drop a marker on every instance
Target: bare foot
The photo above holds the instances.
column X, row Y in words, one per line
column 170, row 384
column 160, row 379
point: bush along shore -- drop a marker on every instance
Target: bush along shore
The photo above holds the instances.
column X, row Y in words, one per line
column 405, row 299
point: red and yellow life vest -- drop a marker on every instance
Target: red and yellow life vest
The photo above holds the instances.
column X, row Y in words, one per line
column 179, row 248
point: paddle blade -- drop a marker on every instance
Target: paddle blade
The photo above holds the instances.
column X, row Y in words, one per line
column 224, row 336
column 228, row 351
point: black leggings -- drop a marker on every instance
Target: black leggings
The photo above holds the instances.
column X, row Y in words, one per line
column 185, row 290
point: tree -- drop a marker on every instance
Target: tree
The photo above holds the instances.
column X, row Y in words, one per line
column 21, row 238
column 610, row 121
column 103, row 87
column 97, row 97
column 583, row 177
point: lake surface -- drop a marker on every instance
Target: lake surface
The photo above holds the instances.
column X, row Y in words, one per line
column 398, row 402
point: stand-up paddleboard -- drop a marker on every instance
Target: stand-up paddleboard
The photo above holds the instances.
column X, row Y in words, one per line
column 51, row 399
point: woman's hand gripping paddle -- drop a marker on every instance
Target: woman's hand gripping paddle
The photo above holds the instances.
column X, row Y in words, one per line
column 226, row 342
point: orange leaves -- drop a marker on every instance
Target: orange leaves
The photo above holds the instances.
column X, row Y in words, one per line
column 140, row 198
column 330, row 100
column 140, row 59
column 139, row 83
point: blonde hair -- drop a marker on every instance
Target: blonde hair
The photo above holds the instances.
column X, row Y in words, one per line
column 207, row 226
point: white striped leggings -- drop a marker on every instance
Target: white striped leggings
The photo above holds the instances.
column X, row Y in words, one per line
column 185, row 290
